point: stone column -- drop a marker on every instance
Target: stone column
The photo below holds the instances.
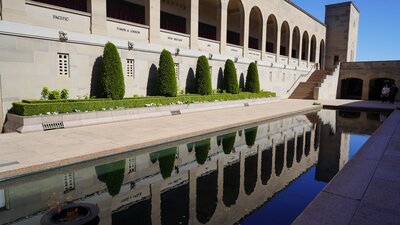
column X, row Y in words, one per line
column 278, row 43
column 13, row 10
column 300, row 47
column 192, row 195
column 285, row 146
column 154, row 20
column 155, row 190
column 223, row 26
column 365, row 90
column 245, row 32
column 263, row 39
column 98, row 9
column 309, row 51
column 290, row 47
column 193, row 16
column 220, row 182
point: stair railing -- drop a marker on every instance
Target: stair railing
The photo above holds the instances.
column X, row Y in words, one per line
column 302, row 75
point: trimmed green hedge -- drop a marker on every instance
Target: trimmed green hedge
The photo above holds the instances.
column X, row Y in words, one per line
column 230, row 84
column 166, row 77
column 252, row 81
column 68, row 106
column 111, row 76
column 228, row 141
column 203, row 76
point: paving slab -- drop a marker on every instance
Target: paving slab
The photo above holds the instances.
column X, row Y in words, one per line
column 339, row 209
column 353, row 180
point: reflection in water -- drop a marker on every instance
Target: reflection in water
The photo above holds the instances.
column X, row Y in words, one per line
column 231, row 184
column 217, row 180
column 266, row 164
column 175, row 206
column 250, row 174
column 290, row 153
column 113, row 175
column 206, row 196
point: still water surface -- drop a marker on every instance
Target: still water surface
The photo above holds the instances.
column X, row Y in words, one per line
column 263, row 173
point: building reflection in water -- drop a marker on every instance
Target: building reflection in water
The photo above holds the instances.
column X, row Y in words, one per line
column 214, row 180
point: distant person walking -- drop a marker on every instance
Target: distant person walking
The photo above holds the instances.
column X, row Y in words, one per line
column 385, row 93
column 393, row 93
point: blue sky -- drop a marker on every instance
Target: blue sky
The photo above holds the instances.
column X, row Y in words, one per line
column 379, row 20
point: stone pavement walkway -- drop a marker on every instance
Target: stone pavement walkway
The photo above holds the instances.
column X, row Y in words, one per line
column 34, row 152
column 358, row 104
column 367, row 190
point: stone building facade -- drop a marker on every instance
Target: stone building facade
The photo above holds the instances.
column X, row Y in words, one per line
column 58, row 44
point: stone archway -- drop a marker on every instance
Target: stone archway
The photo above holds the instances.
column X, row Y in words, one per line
column 351, row 88
column 235, row 26
column 376, row 85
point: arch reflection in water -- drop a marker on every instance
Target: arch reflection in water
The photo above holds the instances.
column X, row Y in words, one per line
column 201, row 182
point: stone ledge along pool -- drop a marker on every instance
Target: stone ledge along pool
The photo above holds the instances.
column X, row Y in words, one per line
column 263, row 173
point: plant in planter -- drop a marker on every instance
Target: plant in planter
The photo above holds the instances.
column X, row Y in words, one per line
column 113, row 175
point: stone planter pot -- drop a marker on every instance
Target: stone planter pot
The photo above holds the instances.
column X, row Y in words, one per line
column 72, row 214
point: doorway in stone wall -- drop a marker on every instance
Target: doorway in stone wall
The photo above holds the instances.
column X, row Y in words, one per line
column 351, row 88
column 376, row 85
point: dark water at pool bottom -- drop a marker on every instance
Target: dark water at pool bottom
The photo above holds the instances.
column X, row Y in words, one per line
column 263, row 173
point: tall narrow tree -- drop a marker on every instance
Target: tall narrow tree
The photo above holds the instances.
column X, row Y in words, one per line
column 252, row 80
column 203, row 76
column 112, row 78
column 230, row 78
column 166, row 79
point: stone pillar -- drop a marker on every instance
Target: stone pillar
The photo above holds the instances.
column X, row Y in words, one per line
column 309, row 51
column 193, row 16
column 273, row 158
column 13, row 10
column 245, row 34
column 98, row 8
column 220, row 182
column 154, row 20
column 278, row 43
column 223, row 26
column 263, row 39
column 290, row 47
column 242, row 159
column 300, row 48
column 155, row 190
column 192, row 195
column 285, row 151
column 365, row 90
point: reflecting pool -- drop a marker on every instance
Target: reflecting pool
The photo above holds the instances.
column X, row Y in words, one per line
column 263, row 173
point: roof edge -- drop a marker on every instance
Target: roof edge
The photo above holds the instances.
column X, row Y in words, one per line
column 305, row 12
column 349, row 2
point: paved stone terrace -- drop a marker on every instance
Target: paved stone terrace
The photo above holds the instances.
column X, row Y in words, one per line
column 33, row 152
column 367, row 190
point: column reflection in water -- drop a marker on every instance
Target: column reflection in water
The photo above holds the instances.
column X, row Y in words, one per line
column 211, row 180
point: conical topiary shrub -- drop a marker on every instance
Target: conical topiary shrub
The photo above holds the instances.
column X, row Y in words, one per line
column 228, row 141
column 230, row 78
column 166, row 77
column 252, row 81
column 112, row 84
column 113, row 175
column 203, row 76
column 250, row 135
column 202, row 148
column 167, row 161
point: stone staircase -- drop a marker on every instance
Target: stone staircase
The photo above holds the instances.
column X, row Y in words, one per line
column 307, row 90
